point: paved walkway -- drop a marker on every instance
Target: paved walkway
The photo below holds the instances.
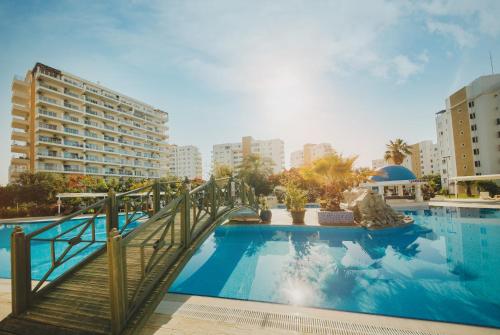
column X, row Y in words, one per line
column 194, row 315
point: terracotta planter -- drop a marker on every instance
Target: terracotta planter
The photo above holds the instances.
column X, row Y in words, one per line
column 266, row 215
column 335, row 218
column 298, row 216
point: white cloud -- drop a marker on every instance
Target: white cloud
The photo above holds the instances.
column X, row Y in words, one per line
column 463, row 19
column 462, row 37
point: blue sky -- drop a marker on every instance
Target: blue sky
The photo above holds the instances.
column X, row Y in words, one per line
column 353, row 73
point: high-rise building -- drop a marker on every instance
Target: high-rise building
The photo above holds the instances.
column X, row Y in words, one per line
column 424, row 159
column 227, row 154
column 66, row 124
column 185, row 161
column 468, row 130
column 309, row 154
column 232, row 154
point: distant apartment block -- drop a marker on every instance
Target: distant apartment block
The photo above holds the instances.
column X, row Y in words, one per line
column 65, row 124
column 424, row 159
column 232, row 154
column 309, row 154
column 185, row 161
column 468, row 130
column 227, row 154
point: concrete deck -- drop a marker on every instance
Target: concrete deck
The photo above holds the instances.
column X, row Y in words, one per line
column 184, row 314
column 5, row 298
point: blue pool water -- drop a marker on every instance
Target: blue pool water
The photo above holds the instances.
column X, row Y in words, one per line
column 40, row 250
column 445, row 267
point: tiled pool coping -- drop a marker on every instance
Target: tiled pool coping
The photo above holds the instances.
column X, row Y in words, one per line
column 186, row 314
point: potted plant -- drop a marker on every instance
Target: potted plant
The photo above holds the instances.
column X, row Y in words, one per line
column 296, row 200
column 335, row 174
column 265, row 213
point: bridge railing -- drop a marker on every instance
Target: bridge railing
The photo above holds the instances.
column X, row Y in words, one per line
column 139, row 260
column 158, row 222
column 64, row 245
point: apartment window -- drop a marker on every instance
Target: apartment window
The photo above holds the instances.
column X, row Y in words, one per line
column 472, row 116
column 70, row 130
column 475, row 139
column 498, row 134
column 498, row 121
column 471, row 104
column 476, row 151
column 474, row 127
column 477, row 163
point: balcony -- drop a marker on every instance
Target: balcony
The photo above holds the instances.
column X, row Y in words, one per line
column 19, row 97
column 19, row 136
column 20, row 123
column 19, row 148
column 20, row 160
column 20, row 110
column 19, row 84
column 53, row 140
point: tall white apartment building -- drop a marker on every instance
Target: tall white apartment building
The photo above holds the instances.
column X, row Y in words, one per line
column 309, row 154
column 227, row 154
column 185, row 161
column 297, row 159
column 468, row 130
column 232, row 154
column 65, row 124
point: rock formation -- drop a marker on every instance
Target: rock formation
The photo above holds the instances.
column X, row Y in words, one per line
column 370, row 210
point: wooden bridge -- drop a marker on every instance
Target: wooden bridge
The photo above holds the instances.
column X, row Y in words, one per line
column 128, row 265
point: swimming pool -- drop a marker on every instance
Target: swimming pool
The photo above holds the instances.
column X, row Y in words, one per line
column 445, row 267
column 40, row 251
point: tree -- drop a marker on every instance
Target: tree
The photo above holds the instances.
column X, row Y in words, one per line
column 396, row 151
column 40, row 187
column 294, row 176
column 488, row 186
column 255, row 171
column 434, row 181
column 222, row 171
column 336, row 174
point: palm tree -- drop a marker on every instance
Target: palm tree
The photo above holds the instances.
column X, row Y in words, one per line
column 336, row 174
column 255, row 171
column 396, row 151
column 222, row 171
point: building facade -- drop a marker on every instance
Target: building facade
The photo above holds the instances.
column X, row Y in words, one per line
column 185, row 162
column 232, row 154
column 468, row 130
column 309, row 154
column 65, row 124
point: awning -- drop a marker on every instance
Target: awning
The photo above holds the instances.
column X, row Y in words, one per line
column 475, row 178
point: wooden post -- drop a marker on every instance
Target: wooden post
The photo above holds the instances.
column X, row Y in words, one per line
column 117, row 281
column 20, row 271
column 126, row 211
column 156, row 197
column 111, row 211
column 232, row 191
column 185, row 219
column 213, row 199
column 243, row 193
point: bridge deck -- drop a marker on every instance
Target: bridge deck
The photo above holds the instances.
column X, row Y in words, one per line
column 80, row 304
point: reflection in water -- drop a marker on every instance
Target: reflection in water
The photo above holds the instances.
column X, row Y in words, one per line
column 444, row 267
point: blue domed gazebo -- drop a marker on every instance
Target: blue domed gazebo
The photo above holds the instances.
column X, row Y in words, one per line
column 395, row 182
